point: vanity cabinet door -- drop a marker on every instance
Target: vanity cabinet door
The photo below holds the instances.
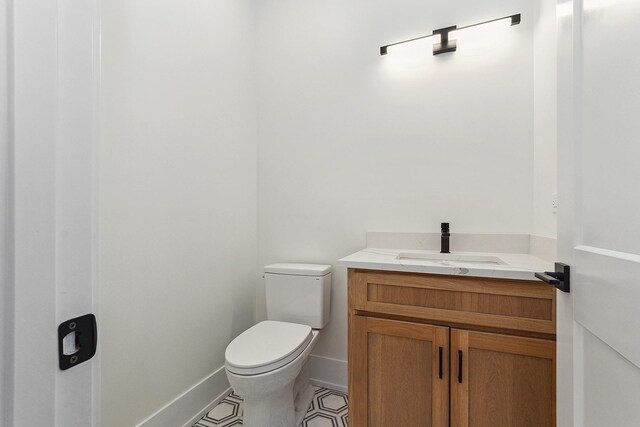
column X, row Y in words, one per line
column 398, row 374
column 501, row 381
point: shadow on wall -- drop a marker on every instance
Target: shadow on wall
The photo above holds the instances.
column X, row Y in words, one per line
column 239, row 316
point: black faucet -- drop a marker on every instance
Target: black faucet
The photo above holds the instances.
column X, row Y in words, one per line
column 444, row 238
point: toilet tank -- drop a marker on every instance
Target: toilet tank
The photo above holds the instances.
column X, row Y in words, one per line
column 298, row 293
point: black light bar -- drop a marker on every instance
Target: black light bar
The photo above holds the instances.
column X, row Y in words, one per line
column 445, row 44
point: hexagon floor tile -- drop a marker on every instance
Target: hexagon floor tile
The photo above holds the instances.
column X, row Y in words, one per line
column 328, row 409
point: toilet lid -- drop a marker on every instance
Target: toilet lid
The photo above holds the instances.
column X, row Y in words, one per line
column 267, row 346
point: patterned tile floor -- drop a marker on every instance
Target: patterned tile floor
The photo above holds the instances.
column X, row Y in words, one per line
column 328, row 409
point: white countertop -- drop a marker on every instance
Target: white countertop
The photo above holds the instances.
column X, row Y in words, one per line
column 516, row 266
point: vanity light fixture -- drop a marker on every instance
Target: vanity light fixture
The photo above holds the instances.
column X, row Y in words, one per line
column 445, row 44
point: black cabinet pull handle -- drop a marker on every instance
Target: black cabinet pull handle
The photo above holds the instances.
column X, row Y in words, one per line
column 440, row 362
column 460, row 366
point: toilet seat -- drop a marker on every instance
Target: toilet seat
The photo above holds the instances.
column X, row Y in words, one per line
column 267, row 346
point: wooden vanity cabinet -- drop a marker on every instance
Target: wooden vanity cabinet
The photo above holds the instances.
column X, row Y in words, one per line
column 427, row 350
column 501, row 380
column 400, row 373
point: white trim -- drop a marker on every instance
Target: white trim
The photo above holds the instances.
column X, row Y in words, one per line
column 329, row 373
column 53, row 118
column 6, row 247
column 330, row 386
column 95, row 207
column 623, row 256
column 193, row 404
column 35, row 113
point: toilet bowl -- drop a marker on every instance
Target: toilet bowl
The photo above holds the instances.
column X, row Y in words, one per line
column 268, row 367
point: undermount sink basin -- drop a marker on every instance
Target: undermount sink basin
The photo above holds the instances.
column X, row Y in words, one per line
column 451, row 259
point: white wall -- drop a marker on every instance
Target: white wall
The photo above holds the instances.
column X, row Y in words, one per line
column 178, row 196
column 545, row 122
column 350, row 141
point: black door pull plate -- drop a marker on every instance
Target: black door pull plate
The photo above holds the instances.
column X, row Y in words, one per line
column 77, row 341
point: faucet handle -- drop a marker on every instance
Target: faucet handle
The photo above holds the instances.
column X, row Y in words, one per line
column 444, row 227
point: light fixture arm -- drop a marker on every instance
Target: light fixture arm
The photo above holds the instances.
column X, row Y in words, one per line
column 445, row 44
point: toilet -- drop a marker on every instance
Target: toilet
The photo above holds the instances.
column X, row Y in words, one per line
column 267, row 365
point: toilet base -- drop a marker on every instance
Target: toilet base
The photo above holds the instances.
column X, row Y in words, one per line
column 302, row 394
column 283, row 408
column 278, row 398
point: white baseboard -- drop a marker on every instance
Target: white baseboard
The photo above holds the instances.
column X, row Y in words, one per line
column 329, row 373
column 193, row 404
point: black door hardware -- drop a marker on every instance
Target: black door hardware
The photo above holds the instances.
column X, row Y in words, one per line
column 460, row 366
column 559, row 278
column 85, row 337
column 440, row 362
column 444, row 238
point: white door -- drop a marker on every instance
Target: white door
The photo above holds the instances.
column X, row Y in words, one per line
column 599, row 218
column 53, row 64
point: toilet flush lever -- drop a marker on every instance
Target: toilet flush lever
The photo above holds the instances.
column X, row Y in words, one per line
column 77, row 341
column 559, row 278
